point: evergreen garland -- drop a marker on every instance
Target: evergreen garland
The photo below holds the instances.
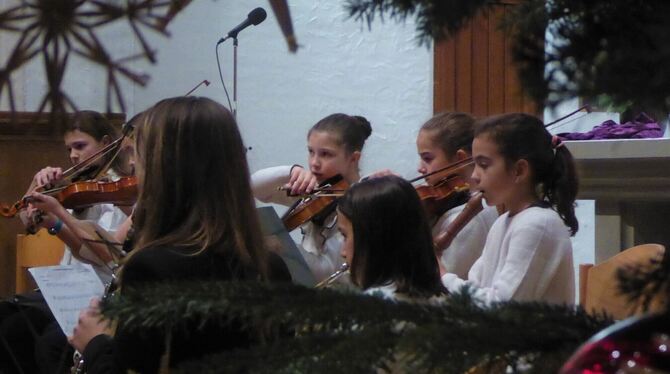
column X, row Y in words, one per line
column 351, row 332
column 438, row 19
column 618, row 49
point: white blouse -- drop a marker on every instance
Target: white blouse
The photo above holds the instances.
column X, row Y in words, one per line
column 527, row 257
column 468, row 245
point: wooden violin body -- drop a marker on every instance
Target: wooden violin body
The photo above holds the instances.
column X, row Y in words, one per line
column 446, row 194
column 443, row 239
column 83, row 194
column 86, row 193
column 313, row 205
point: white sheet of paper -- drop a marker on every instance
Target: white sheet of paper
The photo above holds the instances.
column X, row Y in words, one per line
column 67, row 290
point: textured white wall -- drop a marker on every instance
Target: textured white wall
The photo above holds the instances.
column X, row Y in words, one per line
column 341, row 67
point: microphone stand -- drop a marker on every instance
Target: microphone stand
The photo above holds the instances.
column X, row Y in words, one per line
column 235, row 77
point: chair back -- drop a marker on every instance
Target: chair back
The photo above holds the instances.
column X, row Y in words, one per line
column 598, row 284
column 40, row 249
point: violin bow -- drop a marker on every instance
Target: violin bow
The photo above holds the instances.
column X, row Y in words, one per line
column 71, row 172
column 114, row 147
column 456, row 165
column 205, row 82
column 586, row 107
column 127, row 129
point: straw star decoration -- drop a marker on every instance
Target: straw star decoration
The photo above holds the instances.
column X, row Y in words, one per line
column 59, row 29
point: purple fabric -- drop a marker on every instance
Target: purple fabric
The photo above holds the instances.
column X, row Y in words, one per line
column 640, row 128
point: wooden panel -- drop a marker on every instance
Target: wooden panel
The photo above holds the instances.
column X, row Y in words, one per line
column 480, row 63
column 496, row 72
column 513, row 102
column 444, row 84
column 19, row 161
column 464, row 70
column 475, row 73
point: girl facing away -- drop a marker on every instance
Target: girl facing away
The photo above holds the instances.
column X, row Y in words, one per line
column 194, row 220
column 528, row 254
column 334, row 146
column 387, row 240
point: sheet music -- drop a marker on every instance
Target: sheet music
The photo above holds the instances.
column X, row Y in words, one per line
column 277, row 236
column 67, row 290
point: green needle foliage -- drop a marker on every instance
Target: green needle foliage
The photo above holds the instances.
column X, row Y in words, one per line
column 437, row 19
column 647, row 282
column 334, row 331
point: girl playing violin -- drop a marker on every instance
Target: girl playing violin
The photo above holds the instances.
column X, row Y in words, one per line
column 194, row 220
column 334, row 146
column 387, row 240
column 87, row 133
column 33, row 330
column 528, row 254
column 443, row 140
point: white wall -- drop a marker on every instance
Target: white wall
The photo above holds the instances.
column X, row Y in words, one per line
column 340, row 67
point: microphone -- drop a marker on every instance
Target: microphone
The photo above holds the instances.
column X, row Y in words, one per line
column 254, row 17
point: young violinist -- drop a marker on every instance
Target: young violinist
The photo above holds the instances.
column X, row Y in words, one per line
column 444, row 140
column 87, row 133
column 37, row 343
column 194, row 220
column 528, row 254
column 334, row 146
column 387, row 240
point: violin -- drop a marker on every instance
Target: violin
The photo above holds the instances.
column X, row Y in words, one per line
column 448, row 193
column 317, row 205
column 83, row 194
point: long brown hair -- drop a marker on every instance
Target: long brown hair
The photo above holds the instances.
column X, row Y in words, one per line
column 194, row 182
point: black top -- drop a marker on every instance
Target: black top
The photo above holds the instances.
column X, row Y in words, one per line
column 141, row 351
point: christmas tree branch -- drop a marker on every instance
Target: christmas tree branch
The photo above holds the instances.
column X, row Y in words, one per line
column 353, row 332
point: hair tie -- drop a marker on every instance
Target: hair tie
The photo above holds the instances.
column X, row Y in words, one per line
column 556, row 142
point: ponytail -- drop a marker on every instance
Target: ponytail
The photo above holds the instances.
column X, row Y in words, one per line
column 560, row 188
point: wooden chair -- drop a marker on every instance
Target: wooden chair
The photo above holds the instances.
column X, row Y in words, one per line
column 598, row 283
column 40, row 249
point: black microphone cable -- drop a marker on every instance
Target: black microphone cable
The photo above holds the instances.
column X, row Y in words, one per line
column 218, row 64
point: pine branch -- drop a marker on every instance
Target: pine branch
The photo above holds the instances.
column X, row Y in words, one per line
column 647, row 282
column 438, row 19
column 350, row 332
